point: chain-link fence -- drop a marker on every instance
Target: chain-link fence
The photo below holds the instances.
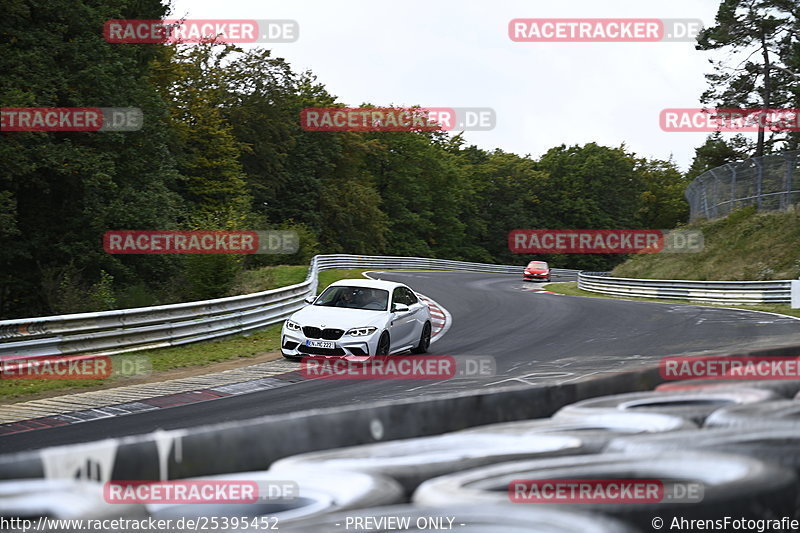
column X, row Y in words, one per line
column 771, row 183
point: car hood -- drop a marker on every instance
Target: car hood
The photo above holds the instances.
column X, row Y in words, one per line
column 537, row 270
column 338, row 317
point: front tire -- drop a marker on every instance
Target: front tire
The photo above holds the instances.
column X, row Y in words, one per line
column 424, row 339
column 384, row 345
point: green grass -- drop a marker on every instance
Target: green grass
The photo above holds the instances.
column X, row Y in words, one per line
column 198, row 354
column 571, row 289
column 326, row 277
column 192, row 355
column 743, row 246
column 266, row 278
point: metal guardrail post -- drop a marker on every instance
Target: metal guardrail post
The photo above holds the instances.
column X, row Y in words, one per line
column 789, row 162
column 795, row 294
column 732, row 204
column 759, row 180
column 707, row 200
column 715, row 208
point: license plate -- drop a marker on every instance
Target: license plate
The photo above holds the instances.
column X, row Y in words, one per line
column 321, row 344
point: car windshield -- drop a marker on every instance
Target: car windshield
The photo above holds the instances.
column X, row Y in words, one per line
column 537, row 264
column 354, row 298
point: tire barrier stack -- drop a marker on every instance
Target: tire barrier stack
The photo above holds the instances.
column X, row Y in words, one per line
column 749, row 475
column 595, row 432
column 741, row 444
column 413, row 461
column 321, row 492
column 692, row 405
column 749, row 487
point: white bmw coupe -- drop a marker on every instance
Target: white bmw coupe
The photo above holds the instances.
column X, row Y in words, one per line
column 358, row 317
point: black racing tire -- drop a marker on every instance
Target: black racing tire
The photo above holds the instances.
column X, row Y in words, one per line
column 491, row 518
column 784, row 388
column 777, row 414
column 320, row 493
column 747, row 487
column 424, row 340
column 595, row 432
column 692, row 405
column 780, row 446
column 384, row 345
column 412, row 461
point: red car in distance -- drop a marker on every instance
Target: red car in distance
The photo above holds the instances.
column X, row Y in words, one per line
column 537, row 271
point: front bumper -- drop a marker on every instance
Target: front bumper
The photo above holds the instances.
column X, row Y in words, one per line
column 525, row 275
column 294, row 345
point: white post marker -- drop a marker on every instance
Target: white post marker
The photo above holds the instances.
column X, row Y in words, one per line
column 795, row 294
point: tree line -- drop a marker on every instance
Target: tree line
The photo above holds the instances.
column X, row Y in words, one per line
column 222, row 148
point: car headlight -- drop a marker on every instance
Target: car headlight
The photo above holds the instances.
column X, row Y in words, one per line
column 361, row 332
column 293, row 326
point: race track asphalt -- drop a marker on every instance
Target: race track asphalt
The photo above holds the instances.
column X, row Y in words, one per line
column 534, row 337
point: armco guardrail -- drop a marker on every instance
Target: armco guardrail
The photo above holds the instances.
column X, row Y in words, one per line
column 733, row 292
column 125, row 330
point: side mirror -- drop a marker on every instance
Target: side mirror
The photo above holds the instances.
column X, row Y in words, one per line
column 399, row 308
column 310, row 300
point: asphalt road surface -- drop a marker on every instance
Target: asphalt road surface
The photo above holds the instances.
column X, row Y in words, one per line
column 534, row 337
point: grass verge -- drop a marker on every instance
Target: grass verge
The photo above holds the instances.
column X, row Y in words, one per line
column 192, row 356
column 745, row 245
column 570, row 288
column 263, row 279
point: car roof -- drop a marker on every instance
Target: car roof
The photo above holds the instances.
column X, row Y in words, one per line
column 371, row 283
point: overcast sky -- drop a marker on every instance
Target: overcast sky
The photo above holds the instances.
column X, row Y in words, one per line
column 457, row 53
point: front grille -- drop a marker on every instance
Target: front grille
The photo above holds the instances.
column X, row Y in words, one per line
column 320, row 351
column 290, row 345
column 328, row 334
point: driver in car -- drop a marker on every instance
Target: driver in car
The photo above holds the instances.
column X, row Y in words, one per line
column 346, row 299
